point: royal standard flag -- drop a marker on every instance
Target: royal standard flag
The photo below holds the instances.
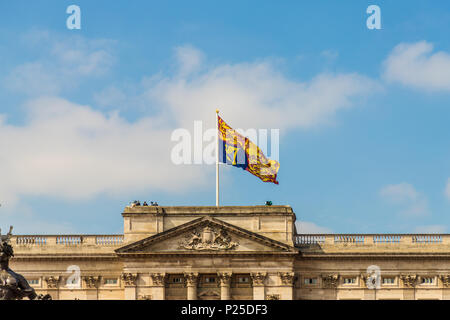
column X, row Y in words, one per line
column 239, row 151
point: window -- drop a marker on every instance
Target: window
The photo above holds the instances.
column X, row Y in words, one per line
column 427, row 280
column 210, row 279
column 110, row 281
column 243, row 280
column 349, row 280
column 177, row 280
column 309, row 281
column 33, row 282
column 389, row 280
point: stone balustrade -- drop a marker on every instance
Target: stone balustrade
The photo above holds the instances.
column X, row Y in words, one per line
column 299, row 239
column 371, row 239
column 310, row 242
column 67, row 240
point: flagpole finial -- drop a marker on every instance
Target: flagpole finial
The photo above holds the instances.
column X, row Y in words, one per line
column 217, row 110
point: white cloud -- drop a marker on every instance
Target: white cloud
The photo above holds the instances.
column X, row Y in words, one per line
column 189, row 59
column 255, row 95
column 304, row 227
column 71, row 151
column 61, row 63
column 110, row 96
column 447, row 189
column 329, row 55
column 412, row 202
column 431, row 229
column 83, row 57
column 402, row 192
column 33, row 78
column 415, row 65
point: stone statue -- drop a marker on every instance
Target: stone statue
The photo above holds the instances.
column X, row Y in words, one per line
column 13, row 286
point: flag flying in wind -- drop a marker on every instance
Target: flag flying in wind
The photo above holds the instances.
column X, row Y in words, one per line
column 239, row 151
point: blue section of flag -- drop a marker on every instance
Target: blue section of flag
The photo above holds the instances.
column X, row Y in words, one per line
column 232, row 155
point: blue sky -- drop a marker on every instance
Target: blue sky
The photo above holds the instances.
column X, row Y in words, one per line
column 86, row 115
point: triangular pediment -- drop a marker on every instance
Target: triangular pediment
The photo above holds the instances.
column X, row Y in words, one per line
column 205, row 235
column 209, row 293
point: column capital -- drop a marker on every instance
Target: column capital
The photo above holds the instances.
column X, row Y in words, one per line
column 191, row 278
column 287, row 278
column 129, row 278
column 52, row 282
column 330, row 280
column 92, row 282
column 364, row 276
column 445, row 278
column 409, row 280
column 158, row 279
column 258, row 278
column 224, row 278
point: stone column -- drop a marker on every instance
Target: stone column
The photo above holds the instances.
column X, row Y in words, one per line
column 330, row 282
column 159, row 286
column 129, row 280
column 369, row 291
column 259, row 290
column 91, row 284
column 287, row 283
column 53, row 286
column 191, row 284
column 225, row 280
column 409, row 286
column 445, row 279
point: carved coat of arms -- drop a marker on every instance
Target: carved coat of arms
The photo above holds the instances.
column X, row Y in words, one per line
column 208, row 239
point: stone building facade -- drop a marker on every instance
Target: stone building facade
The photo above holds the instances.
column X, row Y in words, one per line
column 232, row 252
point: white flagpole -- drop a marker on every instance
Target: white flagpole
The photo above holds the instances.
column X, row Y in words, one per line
column 217, row 157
